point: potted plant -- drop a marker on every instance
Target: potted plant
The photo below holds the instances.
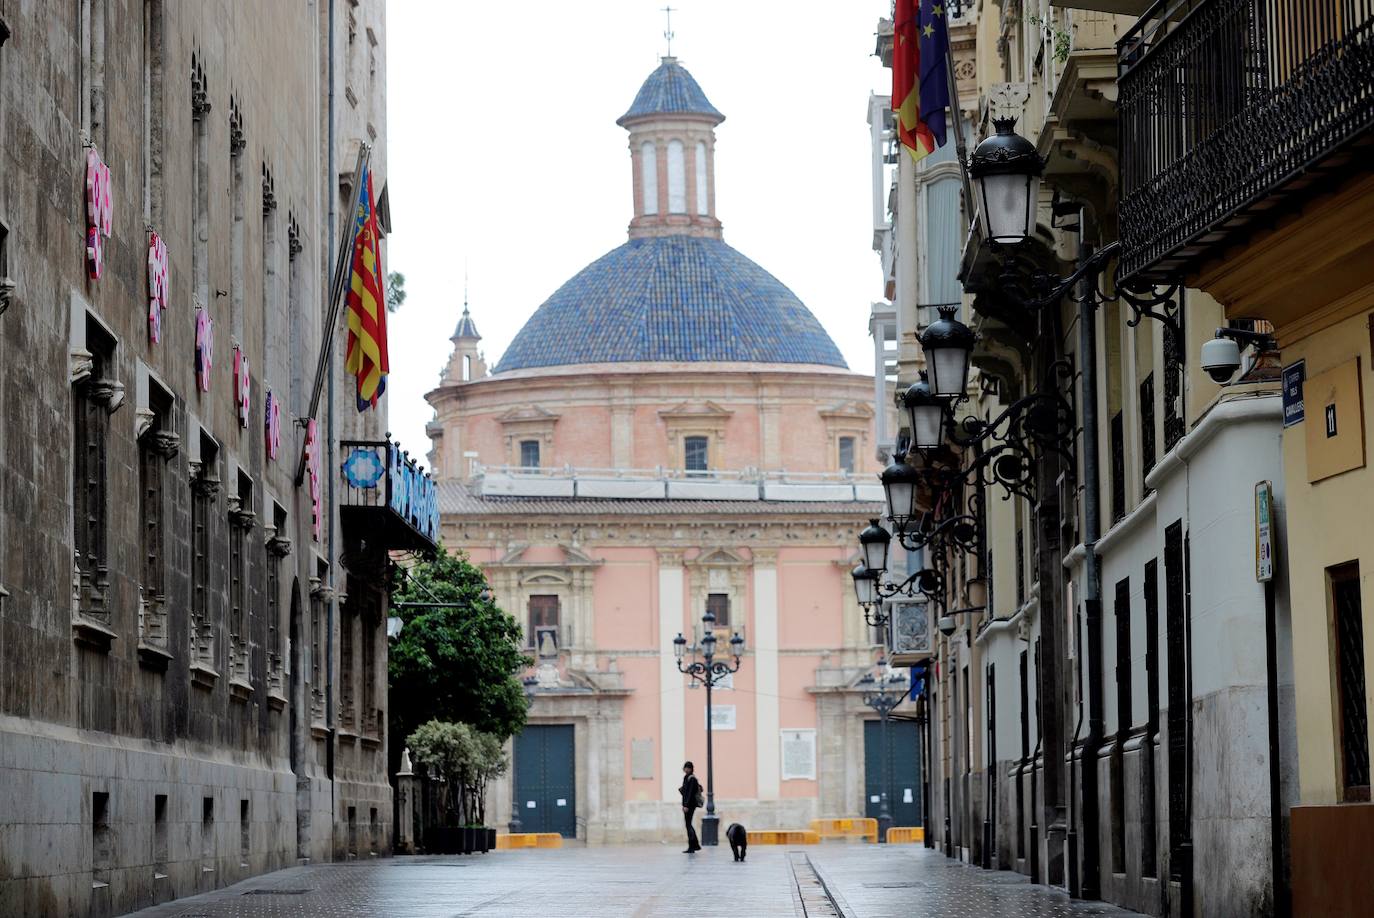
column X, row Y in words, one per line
column 460, row 761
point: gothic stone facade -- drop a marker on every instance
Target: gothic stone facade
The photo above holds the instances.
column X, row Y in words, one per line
column 172, row 623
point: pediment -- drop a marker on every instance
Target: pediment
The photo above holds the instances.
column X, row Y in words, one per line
column 572, row 557
column 717, row 557
column 861, row 411
column 695, row 411
column 525, row 414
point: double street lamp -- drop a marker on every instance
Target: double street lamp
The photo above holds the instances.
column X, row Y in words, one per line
column 883, row 693
column 708, row 671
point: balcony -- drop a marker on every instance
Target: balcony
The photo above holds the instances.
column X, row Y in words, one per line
column 1233, row 111
column 387, row 496
column 675, row 484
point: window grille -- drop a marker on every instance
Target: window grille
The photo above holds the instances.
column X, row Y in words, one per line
column 1350, row 681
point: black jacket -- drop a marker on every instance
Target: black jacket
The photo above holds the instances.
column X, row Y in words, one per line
column 690, row 787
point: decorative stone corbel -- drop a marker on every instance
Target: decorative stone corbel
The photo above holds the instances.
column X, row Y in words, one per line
column 80, row 364
column 109, row 392
column 166, row 443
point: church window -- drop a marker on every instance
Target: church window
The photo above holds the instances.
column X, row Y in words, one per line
column 543, row 631
column 847, row 455
column 695, row 452
column 93, row 396
column 718, row 604
column 204, row 488
column 702, row 198
column 648, row 173
column 677, row 178
column 529, row 454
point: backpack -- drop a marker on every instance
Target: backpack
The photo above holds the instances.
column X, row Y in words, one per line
column 700, row 799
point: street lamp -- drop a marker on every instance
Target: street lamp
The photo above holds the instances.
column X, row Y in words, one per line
column 708, row 671
column 873, row 543
column 947, row 344
column 1006, row 168
column 883, row 694
column 899, row 487
column 927, row 414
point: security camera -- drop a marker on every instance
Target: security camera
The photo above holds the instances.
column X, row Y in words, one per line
column 946, row 625
column 1221, row 358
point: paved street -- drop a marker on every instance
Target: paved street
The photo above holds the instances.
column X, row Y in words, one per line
column 855, row 881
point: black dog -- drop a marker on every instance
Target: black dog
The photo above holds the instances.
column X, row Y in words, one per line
column 739, row 840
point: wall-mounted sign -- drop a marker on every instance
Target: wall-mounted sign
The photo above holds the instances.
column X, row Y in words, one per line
column 272, row 422
column 1335, row 439
column 1264, row 531
column 205, row 347
column 911, row 634
column 722, row 717
column 242, row 384
column 798, row 755
column 158, row 273
column 99, row 212
column 413, row 494
column 313, row 465
column 1293, row 376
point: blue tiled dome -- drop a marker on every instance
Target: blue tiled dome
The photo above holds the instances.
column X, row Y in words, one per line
column 671, row 298
column 670, row 89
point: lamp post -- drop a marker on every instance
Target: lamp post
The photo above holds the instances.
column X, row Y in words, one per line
column 883, row 694
column 708, row 671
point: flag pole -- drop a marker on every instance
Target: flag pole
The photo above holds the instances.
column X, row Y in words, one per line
column 338, row 287
column 957, row 117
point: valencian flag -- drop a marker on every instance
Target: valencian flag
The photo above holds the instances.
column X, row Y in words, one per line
column 366, row 309
column 920, row 80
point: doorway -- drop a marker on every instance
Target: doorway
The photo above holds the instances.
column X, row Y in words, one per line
column 546, row 779
column 903, row 771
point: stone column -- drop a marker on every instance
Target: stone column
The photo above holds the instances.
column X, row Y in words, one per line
column 405, row 806
column 765, row 659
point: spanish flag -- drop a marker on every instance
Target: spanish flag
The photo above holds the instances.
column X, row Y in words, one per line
column 367, row 356
column 920, row 82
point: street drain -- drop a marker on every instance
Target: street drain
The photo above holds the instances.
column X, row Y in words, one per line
column 815, row 898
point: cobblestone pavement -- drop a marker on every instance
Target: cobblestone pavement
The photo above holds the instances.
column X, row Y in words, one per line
column 843, row 880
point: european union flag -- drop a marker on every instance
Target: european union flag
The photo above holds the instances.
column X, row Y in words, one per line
column 933, row 29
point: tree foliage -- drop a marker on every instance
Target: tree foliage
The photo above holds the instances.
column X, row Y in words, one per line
column 458, row 663
column 395, row 290
column 466, row 760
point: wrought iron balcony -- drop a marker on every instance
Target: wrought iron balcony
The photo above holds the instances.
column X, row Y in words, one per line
column 1228, row 108
column 387, row 496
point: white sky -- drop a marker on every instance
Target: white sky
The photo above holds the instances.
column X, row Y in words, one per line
column 504, row 154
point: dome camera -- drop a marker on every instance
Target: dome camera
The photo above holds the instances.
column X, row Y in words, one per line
column 1221, row 359
column 946, row 625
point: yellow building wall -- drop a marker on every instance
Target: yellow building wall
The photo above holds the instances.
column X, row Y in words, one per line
column 1328, row 523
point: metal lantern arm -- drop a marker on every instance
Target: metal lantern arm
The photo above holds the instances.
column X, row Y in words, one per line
column 927, row 583
column 708, row 671
column 957, row 532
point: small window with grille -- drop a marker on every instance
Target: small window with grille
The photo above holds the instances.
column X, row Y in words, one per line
column 1348, row 624
column 543, row 616
column 847, row 455
column 529, row 454
column 718, row 604
column 696, row 453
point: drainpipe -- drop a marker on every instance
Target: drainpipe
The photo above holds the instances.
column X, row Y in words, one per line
column 331, row 179
column 1092, row 587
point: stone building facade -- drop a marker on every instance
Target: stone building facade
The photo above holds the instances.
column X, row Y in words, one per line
column 192, row 681
column 671, row 432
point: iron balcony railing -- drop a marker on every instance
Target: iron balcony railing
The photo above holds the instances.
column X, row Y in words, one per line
column 1225, row 107
column 379, row 477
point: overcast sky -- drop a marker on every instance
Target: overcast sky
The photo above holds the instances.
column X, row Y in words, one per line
column 504, row 155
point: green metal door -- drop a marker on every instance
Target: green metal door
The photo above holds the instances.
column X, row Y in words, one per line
column 545, row 779
column 903, row 771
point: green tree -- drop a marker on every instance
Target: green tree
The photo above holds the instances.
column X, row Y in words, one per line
column 457, row 662
column 395, row 290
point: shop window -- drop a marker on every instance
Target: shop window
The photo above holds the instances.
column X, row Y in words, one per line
column 718, row 604
column 847, row 455
column 696, row 454
column 1348, row 620
column 529, row 454
column 543, row 616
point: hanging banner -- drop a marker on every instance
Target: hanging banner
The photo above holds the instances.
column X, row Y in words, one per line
column 157, row 285
column 272, row 423
column 242, row 384
column 205, row 347
column 99, row 212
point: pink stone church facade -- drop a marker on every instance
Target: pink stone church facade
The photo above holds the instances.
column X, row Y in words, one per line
column 671, row 430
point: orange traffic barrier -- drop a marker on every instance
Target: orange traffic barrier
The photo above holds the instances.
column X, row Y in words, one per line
column 846, row 828
column 784, row 837
column 906, row 835
column 510, row 840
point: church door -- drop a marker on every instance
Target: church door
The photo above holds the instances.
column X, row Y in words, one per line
column 546, row 779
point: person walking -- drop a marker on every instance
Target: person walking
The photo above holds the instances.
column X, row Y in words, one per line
column 691, row 799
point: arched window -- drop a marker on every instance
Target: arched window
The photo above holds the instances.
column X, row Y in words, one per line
column 703, row 201
column 677, row 178
column 648, row 174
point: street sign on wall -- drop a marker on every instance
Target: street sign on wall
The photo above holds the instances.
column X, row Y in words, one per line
column 1264, row 532
column 1293, row 376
